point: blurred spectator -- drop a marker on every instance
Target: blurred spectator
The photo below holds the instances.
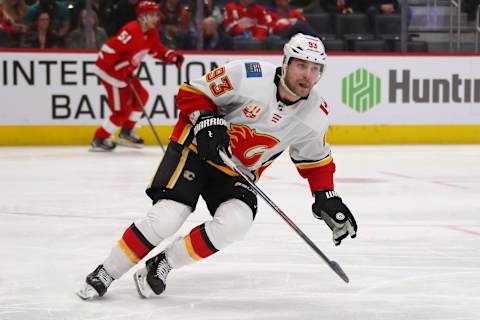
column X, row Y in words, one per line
column 381, row 6
column 11, row 21
column 174, row 25
column 123, row 13
column 287, row 21
column 247, row 19
column 77, row 38
column 374, row 7
column 311, row 6
column 214, row 36
column 343, row 6
column 103, row 9
column 58, row 13
column 470, row 7
column 3, row 38
column 40, row 34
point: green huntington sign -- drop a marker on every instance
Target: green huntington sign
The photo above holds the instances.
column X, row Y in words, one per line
column 361, row 90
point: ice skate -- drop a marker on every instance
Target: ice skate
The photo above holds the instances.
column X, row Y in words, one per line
column 128, row 138
column 96, row 284
column 102, row 145
column 152, row 280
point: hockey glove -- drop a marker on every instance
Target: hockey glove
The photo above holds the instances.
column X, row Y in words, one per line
column 176, row 58
column 211, row 133
column 329, row 207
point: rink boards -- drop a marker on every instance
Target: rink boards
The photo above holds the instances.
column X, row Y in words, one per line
column 53, row 98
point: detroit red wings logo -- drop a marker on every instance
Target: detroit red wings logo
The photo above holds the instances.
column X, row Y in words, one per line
column 248, row 145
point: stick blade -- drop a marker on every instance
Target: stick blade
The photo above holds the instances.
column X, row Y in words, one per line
column 339, row 271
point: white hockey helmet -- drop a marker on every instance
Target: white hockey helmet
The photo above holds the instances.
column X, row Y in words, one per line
column 304, row 47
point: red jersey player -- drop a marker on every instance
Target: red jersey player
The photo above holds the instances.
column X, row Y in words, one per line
column 117, row 60
column 246, row 18
column 283, row 16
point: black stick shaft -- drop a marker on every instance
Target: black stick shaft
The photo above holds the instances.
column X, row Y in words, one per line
column 135, row 93
column 332, row 264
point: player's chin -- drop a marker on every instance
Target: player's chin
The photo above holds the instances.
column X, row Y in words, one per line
column 302, row 91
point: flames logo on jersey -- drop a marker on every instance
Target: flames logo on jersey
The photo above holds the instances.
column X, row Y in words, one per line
column 248, row 145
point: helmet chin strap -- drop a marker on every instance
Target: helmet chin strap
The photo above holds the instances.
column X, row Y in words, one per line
column 284, row 84
column 282, row 81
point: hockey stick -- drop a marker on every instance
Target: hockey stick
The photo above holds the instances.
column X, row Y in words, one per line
column 332, row 264
column 140, row 102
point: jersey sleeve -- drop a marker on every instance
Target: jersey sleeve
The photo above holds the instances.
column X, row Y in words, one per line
column 157, row 48
column 219, row 87
column 313, row 160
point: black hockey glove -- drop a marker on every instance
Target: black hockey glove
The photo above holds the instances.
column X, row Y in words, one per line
column 329, row 207
column 211, row 133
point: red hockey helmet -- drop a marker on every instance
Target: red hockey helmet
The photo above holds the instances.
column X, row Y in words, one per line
column 147, row 6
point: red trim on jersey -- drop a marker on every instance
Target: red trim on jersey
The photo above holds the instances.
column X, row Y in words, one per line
column 260, row 170
column 189, row 101
column 319, row 178
column 181, row 129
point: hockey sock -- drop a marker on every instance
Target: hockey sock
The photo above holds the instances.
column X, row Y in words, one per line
column 106, row 130
column 130, row 249
column 231, row 222
column 161, row 221
column 193, row 247
column 132, row 119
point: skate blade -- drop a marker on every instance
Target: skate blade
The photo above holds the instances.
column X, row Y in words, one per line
column 87, row 292
column 128, row 144
column 140, row 279
column 96, row 149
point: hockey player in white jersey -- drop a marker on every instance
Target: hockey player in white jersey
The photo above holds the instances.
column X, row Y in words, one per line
column 253, row 111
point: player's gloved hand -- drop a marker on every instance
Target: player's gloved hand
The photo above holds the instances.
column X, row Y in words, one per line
column 329, row 207
column 176, row 58
column 211, row 133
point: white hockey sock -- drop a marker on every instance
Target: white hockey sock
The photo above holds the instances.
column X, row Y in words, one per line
column 161, row 221
column 117, row 263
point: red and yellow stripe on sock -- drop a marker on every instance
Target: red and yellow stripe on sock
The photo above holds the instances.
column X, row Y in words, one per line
column 198, row 244
column 134, row 245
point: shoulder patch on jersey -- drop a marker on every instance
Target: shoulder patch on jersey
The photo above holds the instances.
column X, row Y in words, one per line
column 324, row 107
column 251, row 111
column 254, row 70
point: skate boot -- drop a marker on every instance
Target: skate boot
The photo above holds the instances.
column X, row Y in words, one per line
column 153, row 278
column 102, row 145
column 96, row 284
column 128, row 138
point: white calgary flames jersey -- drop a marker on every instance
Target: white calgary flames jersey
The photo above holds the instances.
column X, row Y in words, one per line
column 261, row 126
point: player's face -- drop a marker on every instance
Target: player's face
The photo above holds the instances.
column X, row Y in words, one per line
column 151, row 19
column 301, row 76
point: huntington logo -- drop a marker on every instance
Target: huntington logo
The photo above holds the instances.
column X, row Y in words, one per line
column 361, row 90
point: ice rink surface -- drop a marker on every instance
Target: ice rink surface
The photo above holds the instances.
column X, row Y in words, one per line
column 416, row 256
